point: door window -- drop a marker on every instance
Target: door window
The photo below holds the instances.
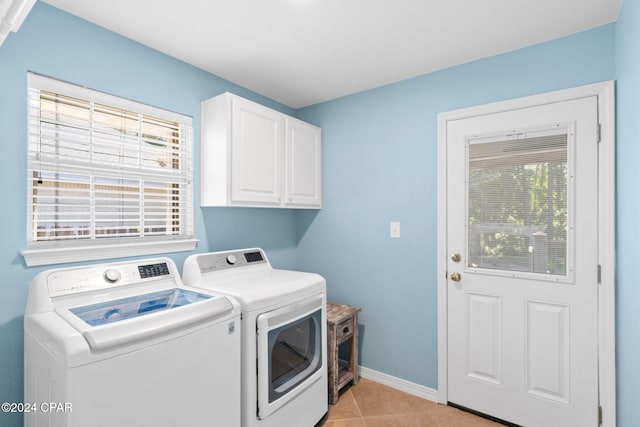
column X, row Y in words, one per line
column 518, row 202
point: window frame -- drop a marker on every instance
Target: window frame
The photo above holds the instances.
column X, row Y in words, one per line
column 63, row 251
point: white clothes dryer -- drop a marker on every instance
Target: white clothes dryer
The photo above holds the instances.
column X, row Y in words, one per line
column 127, row 344
column 284, row 344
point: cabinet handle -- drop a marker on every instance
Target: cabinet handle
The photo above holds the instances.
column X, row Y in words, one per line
column 345, row 330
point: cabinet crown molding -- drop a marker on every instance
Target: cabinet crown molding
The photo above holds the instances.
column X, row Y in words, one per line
column 12, row 15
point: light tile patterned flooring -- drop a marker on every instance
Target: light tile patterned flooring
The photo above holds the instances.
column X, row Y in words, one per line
column 370, row 404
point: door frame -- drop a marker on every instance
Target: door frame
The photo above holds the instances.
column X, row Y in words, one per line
column 605, row 91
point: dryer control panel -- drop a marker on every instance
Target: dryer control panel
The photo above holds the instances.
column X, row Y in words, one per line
column 218, row 261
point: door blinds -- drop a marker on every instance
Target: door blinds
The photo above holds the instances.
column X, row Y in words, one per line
column 103, row 168
column 518, row 202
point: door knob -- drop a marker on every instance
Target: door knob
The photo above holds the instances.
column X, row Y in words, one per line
column 456, row 277
column 456, row 257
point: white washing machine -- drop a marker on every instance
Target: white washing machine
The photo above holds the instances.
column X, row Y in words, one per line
column 127, row 344
column 284, row 345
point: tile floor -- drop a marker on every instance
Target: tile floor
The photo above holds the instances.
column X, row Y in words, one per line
column 370, row 404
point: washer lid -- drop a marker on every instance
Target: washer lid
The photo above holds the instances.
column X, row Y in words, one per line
column 128, row 320
column 136, row 306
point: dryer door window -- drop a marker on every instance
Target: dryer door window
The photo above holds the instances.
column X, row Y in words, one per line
column 293, row 354
column 290, row 348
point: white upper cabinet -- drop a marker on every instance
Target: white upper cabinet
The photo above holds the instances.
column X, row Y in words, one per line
column 256, row 153
column 303, row 147
column 253, row 156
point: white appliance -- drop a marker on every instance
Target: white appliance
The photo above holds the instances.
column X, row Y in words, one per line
column 284, row 345
column 127, row 344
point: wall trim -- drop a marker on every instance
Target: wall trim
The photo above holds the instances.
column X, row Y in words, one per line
column 400, row 384
column 605, row 91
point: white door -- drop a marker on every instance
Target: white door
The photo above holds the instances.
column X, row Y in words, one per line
column 256, row 157
column 302, row 164
column 522, row 271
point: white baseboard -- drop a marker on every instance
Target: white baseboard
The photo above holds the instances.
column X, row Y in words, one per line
column 400, row 384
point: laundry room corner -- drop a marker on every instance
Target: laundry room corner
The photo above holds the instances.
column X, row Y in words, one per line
column 59, row 45
column 381, row 148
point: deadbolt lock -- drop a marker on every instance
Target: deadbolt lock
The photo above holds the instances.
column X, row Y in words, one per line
column 456, row 257
column 456, row 277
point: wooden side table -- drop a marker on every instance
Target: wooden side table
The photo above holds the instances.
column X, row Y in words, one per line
column 342, row 325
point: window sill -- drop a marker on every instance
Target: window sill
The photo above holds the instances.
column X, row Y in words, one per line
column 61, row 255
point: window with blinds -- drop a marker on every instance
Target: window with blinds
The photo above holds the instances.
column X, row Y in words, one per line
column 518, row 203
column 105, row 170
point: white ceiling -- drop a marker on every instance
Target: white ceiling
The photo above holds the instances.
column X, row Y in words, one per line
column 301, row 52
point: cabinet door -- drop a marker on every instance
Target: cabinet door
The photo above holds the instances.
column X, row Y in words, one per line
column 303, row 177
column 256, row 154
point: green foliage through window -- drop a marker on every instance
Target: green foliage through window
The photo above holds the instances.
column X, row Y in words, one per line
column 518, row 199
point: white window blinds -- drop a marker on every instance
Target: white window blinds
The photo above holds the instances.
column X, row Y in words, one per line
column 518, row 206
column 102, row 169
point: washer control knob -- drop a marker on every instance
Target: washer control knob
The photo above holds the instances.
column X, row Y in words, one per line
column 111, row 275
column 231, row 259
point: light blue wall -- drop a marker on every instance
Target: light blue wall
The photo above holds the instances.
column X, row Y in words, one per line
column 380, row 161
column 59, row 45
column 628, row 206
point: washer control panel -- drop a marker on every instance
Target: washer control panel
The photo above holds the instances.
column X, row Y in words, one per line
column 218, row 261
column 153, row 270
column 84, row 279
